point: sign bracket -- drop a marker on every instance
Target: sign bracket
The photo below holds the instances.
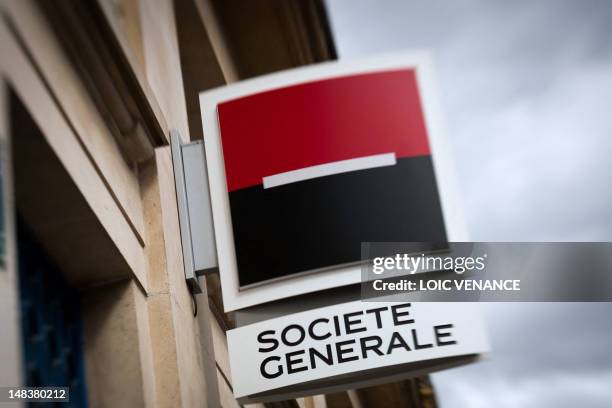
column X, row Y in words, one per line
column 194, row 210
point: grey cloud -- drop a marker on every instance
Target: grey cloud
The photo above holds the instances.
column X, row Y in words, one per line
column 527, row 87
column 544, row 355
column 559, row 390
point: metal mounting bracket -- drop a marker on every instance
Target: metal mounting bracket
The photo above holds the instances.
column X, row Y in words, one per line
column 194, row 210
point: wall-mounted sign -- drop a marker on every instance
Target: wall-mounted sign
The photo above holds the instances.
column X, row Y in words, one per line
column 368, row 340
column 306, row 164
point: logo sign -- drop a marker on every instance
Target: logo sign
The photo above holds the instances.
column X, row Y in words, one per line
column 347, row 338
column 306, row 164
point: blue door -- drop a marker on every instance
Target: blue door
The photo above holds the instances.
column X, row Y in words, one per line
column 51, row 325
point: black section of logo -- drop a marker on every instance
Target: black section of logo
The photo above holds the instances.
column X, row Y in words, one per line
column 320, row 223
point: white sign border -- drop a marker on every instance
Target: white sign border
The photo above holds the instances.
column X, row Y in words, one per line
column 233, row 297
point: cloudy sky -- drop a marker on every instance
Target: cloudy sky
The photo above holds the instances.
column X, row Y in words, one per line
column 527, row 92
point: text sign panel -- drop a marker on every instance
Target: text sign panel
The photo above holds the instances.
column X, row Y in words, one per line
column 348, row 338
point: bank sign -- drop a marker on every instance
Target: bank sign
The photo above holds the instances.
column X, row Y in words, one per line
column 303, row 167
column 307, row 164
column 356, row 337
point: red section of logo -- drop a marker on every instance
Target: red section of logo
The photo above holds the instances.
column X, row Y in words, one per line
column 321, row 122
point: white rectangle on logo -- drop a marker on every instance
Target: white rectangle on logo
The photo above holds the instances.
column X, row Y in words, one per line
column 328, row 169
column 316, row 344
